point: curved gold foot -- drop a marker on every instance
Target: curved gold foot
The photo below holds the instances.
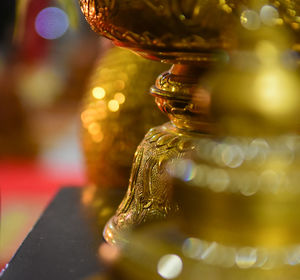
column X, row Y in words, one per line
column 149, row 195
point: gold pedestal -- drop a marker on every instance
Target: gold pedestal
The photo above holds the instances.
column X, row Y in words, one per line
column 230, row 79
column 149, row 196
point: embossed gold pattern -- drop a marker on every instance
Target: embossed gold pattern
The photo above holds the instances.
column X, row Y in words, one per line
column 149, row 195
column 207, row 99
column 187, row 104
column 182, row 30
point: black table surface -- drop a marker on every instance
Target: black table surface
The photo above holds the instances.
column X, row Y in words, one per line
column 64, row 242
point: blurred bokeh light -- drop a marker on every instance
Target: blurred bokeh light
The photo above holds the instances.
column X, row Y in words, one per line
column 51, row 23
column 44, row 67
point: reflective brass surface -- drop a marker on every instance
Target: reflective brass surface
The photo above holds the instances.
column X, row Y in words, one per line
column 188, row 30
column 173, row 255
column 239, row 215
column 116, row 94
column 242, row 191
column 232, row 97
column 149, row 195
column 185, row 101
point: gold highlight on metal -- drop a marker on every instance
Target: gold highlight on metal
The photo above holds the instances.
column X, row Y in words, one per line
column 227, row 162
column 188, row 30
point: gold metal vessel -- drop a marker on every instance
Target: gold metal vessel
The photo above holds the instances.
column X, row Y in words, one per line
column 233, row 86
column 187, row 30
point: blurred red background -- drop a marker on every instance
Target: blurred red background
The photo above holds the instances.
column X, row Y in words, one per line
column 46, row 56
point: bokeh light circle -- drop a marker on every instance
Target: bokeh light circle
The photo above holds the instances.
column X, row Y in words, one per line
column 169, row 266
column 51, row 23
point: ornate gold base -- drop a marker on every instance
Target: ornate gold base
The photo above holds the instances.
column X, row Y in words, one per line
column 149, row 195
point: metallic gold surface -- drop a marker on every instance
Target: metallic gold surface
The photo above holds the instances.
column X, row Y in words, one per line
column 249, row 187
column 232, row 99
column 116, row 94
column 185, row 101
column 184, row 30
column 149, row 195
column 173, row 255
column 239, row 215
